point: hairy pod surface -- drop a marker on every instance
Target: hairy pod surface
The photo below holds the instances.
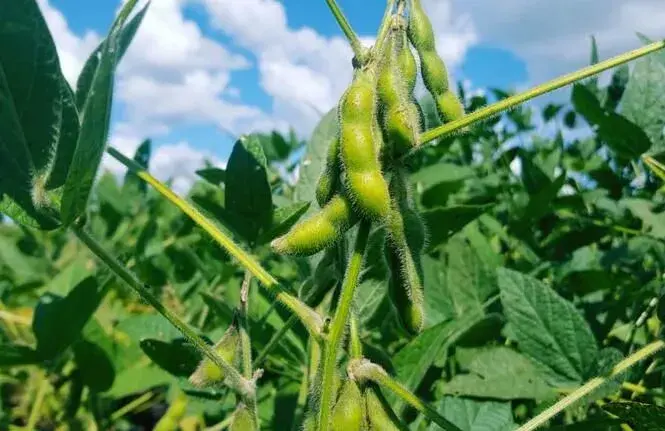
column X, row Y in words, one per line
column 399, row 112
column 329, row 180
column 360, row 148
column 380, row 417
column 243, row 420
column 228, row 348
column 320, row 231
column 433, row 69
column 406, row 240
column 348, row 413
column 174, row 414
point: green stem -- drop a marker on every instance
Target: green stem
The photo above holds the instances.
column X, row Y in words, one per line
column 307, row 316
column 355, row 344
column 356, row 46
column 364, row 369
column 338, row 325
column 234, row 379
column 245, row 343
column 37, row 405
column 555, row 84
column 591, row 385
column 386, row 24
column 130, row 406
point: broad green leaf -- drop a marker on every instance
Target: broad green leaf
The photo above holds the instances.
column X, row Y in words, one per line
column 58, row 321
column 31, row 112
column 444, row 222
column 139, row 378
column 603, row 365
column 640, row 416
column 643, row 101
column 12, row 355
column 70, row 276
column 470, row 415
column 548, row 328
column 653, row 222
column 177, row 357
column 95, row 101
column 432, row 175
column 247, row 191
column 499, row 373
column 95, row 367
column 69, row 131
column 313, row 160
column 369, row 295
column 22, row 268
column 274, row 146
column 412, row 362
column 458, row 283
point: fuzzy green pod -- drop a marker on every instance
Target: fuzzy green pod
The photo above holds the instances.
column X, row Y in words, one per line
column 399, row 111
column 405, row 243
column 320, row 231
column 173, row 415
column 228, row 348
column 329, row 180
column 433, row 69
column 309, row 424
column 380, row 417
column 359, row 148
column 348, row 413
column 243, row 420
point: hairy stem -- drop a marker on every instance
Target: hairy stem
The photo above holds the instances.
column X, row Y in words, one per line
column 591, row 385
column 363, row 369
column 338, row 325
column 386, row 23
column 355, row 345
column 555, row 84
column 356, row 46
column 307, row 316
column 245, row 343
column 234, row 378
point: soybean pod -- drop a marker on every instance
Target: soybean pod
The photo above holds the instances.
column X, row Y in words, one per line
column 320, row 231
column 380, row 417
column 400, row 114
column 348, row 413
column 433, row 69
column 329, row 180
column 228, row 348
column 405, row 243
column 360, row 143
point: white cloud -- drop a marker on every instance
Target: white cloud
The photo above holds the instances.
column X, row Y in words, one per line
column 306, row 72
column 553, row 36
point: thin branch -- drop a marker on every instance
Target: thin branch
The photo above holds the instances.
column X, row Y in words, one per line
column 555, row 84
column 307, row 316
column 338, row 325
column 591, row 385
column 245, row 343
column 363, row 369
column 351, row 35
column 234, row 378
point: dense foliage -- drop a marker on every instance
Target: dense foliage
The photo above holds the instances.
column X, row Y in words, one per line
column 543, row 269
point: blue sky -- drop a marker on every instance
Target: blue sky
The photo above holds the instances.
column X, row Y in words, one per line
column 203, row 71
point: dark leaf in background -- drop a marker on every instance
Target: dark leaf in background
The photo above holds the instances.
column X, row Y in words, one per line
column 247, row 191
column 215, row 176
column 442, row 223
column 58, row 321
column 12, row 355
column 640, row 416
column 177, row 357
column 142, row 157
column 95, row 368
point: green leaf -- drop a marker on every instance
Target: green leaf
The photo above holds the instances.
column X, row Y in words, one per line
column 640, row 416
column 548, row 328
column 247, row 192
column 459, row 283
column 444, row 222
column 643, row 102
column 369, row 295
column 176, row 357
column 623, row 136
column 412, row 362
column 603, row 365
column 432, row 175
column 471, row 415
column 12, row 355
column 95, row 367
column 137, row 379
column 313, row 160
column 215, row 176
column 274, row 146
column 499, row 373
column 142, row 157
column 69, row 132
column 58, row 321
column 95, row 101
column 31, row 111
